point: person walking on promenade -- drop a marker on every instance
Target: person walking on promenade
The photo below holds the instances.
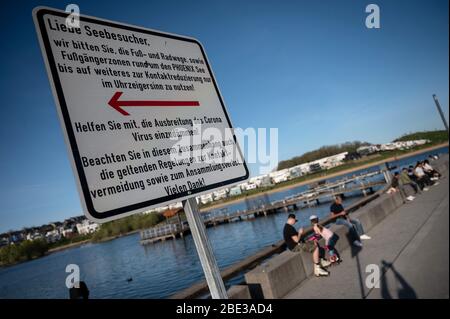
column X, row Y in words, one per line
column 295, row 242
column 354, row 226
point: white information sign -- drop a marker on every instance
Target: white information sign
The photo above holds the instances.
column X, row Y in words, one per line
column 141, row 112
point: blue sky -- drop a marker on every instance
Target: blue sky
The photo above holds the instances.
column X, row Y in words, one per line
column 310, row 68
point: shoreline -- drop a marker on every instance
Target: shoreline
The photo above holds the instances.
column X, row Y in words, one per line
column 90, row 241
column 316, row 179
column 277, row 189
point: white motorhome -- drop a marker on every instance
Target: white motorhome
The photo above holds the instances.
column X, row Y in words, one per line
column 295, row 172
column 220, row 194
column 250, row 186
column 236, row 190
column 206, row 198
column 280, row 176
column 367, row 150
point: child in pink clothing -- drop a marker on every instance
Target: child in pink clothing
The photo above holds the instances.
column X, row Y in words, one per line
column 329, row 237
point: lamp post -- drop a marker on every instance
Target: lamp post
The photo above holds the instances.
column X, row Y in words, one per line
column 436, row 101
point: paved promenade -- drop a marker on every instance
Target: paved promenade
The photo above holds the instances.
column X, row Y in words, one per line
column 411, row 248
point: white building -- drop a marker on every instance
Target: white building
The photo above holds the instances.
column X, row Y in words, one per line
column 176, row 205
column 34, row 236
column 86, row 227
column 236, row 190
column 159, row 209
column 67, row 232
column 52, row 236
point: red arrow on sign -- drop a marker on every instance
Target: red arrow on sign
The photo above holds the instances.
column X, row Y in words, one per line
column 118, row 105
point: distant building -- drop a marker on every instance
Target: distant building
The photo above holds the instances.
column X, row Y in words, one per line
column 17, row 237
column 265, row 181
column 295, row 172
column 234, row 191
column 250, row 186
column 388, row 147
column 4, row 241
column 34, row 235
column 68, row 233
column 220, row 194
column 367, row 150
column 87, row 227
column 352, row 156
column 206, row 198
column 176, row 205
column 52, row 236
column 256, row 180
column 401, row 145
column 334, row 160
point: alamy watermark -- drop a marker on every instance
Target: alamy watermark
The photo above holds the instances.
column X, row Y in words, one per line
column 211, row 145
column 373, row 19
column 373, row 277
column 73, row 279
column 73, row 19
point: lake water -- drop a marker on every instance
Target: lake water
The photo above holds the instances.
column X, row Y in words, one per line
column 158, row 270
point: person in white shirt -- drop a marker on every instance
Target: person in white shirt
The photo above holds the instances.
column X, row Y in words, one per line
column 422, row 179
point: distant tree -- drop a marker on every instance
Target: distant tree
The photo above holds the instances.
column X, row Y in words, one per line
column 322, row 152
column 440, row 136
column 127, row 224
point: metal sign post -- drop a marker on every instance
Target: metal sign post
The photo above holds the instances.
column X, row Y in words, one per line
column 204, row 250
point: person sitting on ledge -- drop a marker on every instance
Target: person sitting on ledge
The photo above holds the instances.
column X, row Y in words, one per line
column 422, row 179
column 430, row 171
column 405, row 179
column 295, row 242
column 354, row 226
column 396, row 186
column 395, row 183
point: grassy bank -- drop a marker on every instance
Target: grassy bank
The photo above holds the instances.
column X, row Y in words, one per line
column 125, row 226
column 28, row 250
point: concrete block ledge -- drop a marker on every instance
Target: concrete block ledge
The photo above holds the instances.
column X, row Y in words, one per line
column 279, row 275
column 239, row 292
column 276, row 277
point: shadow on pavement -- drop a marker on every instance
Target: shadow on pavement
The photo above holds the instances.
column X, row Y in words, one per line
column 354, row 253
column 405, row 291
